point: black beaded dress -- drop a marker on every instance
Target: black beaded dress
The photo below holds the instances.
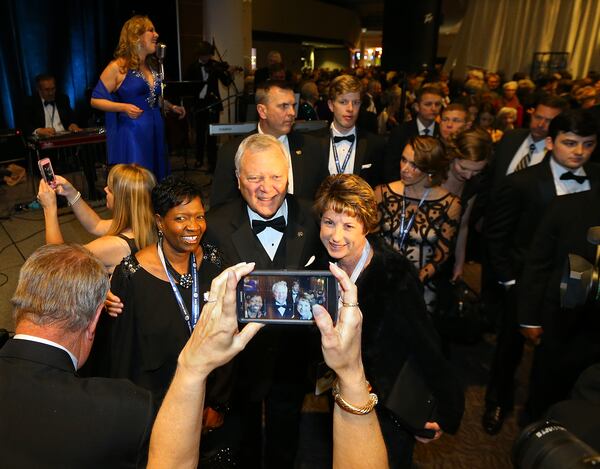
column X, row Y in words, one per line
column 432, row 229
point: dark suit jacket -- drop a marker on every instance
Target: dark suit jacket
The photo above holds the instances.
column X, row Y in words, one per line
column 396, row 143
column 514, row 213
column 563, row 230
column 52, row 418
column 503, row 154
column 308, row 166
column 33, row 113
column 215, row 73
column 368, row 161
column 277, row 353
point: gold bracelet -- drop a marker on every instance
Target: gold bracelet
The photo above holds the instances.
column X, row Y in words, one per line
column 365, row 409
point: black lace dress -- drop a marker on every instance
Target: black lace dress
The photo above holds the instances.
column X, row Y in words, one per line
column 429, row 241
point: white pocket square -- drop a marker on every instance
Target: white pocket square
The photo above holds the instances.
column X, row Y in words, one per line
column 366, row 166
column 310, row 261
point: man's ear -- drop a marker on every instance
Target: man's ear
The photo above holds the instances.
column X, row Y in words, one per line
column 90, row 331
column 262, row 111
column 330, row 104
column 549, row 143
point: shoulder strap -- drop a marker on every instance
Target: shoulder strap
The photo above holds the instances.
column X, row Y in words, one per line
column 130, row 242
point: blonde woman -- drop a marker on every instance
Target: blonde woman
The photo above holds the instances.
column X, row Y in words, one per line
column 127, row 195
column 129, row 91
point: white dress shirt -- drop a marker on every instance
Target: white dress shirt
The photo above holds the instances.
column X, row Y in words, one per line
column 52, row 117
column 569, row 186
column 269, row 237
column 286, row 146
column 342, row 149
column 430, row 129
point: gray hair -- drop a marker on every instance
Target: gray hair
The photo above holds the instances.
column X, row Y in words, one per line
column 276, row 285
column 257, row 143
column 60, row 284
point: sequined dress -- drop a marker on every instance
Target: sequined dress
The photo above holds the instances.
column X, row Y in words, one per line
column 139, row 140
column 430, row 238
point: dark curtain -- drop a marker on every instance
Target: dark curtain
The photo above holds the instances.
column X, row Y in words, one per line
column 71, row 39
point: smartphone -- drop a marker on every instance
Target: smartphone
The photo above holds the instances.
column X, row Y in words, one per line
column 47, row 172
column 286, row 296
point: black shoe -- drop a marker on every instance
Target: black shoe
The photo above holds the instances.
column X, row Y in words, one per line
column 492, row 419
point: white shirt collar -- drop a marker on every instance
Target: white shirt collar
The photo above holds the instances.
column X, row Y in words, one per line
column 422, row 127
column 336, row 133
column 564, row 187
column 47, row 342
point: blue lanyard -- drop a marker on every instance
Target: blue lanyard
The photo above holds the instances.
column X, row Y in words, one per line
column 193, row 319
column 341, row 169
column 404, row 231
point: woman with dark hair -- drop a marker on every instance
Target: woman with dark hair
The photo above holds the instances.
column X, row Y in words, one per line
column 395, row 325
column 417, row 216
column 129, row 91
column 163, row 288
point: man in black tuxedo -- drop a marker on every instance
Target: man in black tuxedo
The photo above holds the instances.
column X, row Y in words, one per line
column 511, row 220
column 280, row 306
column 275, row 104
column 80, row 422
column 428, row 105
column 275, row 230
column 345, row 147
column 567, row 340
column 207, row 105
column 47, row 112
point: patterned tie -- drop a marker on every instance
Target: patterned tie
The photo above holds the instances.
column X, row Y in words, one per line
column 524, row 163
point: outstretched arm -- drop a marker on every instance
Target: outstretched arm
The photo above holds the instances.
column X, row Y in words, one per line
column 214, row 342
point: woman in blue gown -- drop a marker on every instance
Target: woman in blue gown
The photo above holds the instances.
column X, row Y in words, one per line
column 129, row 91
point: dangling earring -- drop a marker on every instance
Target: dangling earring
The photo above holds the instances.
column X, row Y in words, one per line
column 160, row 234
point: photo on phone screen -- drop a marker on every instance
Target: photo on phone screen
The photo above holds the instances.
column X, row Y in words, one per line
column 286, row 296
column 47, row 171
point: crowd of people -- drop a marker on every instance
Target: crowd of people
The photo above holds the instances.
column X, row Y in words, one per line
column 393, row 200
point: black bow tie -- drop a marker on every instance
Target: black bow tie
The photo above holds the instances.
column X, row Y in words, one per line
column 570, row 176
column 350, row 138
column 48, row 103
column 276, row 223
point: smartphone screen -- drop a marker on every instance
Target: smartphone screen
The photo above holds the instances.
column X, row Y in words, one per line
column 47, row 171
column 286, row 296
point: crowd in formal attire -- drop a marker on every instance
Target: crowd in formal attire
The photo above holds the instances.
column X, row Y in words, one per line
column 413, row 176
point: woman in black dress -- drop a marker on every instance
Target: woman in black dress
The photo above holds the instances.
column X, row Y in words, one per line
column 163, row 288
column 395, row 326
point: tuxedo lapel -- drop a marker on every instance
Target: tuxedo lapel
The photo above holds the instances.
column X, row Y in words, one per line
column 297, row 156
column 247, row 245
column 546, row 185
column 295, row 233
column 361, row 151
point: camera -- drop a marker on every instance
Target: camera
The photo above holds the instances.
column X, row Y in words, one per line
column 549, row 445
column 579, row 283
column 285, row 296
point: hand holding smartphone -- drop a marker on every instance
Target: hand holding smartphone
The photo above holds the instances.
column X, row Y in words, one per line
column 47, row 172
column 285, row 296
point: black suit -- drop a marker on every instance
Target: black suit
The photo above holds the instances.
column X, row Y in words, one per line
column 503, row 155
column 273, row 365
column 570, row 341
column 33, row 116
column 308, row 167
column 368, row 158
column 206, row 110
column 511, row 220
column 52, row 418
column 274, row 313
column 396, row 143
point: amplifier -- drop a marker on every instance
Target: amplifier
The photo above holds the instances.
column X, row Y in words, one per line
column 12, row 146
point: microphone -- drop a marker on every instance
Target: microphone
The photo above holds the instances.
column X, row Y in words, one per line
column 161, row 51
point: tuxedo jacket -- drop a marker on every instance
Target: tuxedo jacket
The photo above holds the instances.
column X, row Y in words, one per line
column 308, row 167
column 278, row 354
column 33, row 116
column 514, row 213
column 54, row 419
column 503, row 154
column 215, row 74
column 368, row 158
column 396, row 143
column 273, row 311
column 563, row 230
